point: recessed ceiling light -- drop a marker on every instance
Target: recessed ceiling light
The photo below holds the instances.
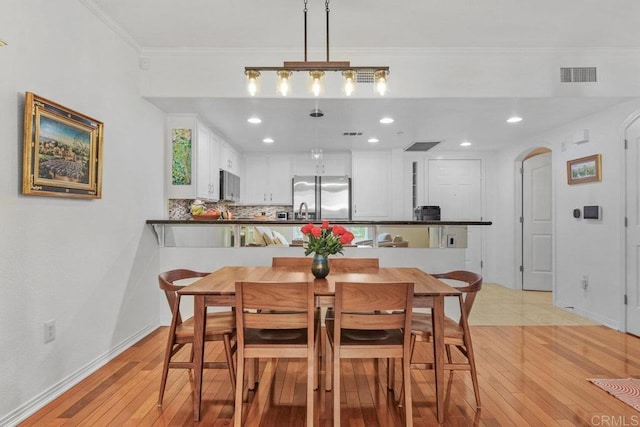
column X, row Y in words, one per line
column 254, row 120
column 465, row 144
column 514, row 119
column 373, row 140
column 268, row 140
column 386, row 120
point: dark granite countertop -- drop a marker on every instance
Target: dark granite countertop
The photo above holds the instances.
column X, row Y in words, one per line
column 241, row 221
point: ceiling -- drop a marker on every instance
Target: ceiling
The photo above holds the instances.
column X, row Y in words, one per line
column 370, row 24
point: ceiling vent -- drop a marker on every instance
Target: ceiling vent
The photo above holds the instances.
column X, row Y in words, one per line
column 422, row 146
column 578, row 75
column 352, row 134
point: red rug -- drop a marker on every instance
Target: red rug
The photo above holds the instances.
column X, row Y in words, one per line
column 627, row 390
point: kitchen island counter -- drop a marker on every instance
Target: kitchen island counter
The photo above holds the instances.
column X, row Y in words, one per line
column 249, row 221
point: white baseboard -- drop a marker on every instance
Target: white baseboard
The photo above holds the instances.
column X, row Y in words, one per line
column 32, row 406
column 591, row 316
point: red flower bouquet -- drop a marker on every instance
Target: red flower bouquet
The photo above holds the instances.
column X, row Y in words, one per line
column 326, row 240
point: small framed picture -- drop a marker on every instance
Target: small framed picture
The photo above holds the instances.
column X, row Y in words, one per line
column 584, row 169
column 62, row 151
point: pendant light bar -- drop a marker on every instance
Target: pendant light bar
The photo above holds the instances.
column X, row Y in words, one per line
column 317, row 70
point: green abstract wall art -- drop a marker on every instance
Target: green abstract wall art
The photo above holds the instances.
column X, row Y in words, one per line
column 181, row 156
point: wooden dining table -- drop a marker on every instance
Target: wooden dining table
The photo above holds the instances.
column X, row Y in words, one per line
column 218, row 289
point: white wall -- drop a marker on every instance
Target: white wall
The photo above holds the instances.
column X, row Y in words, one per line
column 88, row 264
column 452, row 72
column 581, row 247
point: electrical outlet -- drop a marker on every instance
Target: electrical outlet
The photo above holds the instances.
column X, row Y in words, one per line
column 49, row 331
column 585, row 282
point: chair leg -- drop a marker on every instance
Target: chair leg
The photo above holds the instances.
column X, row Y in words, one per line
column 165, row 366
column 253, row 370
column 328, row 365
column 237, row 412
column 412, row 347
column 406, row 386
column 336, row 392
column 391, row 373
column 316, row 358
column 470, row 357
column 311, row 385
column 472, row 364
column 229, row 355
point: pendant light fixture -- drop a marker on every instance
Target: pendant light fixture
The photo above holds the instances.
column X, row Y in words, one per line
column 317, row 70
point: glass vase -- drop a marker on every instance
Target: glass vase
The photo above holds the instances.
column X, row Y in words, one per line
column 320, row 266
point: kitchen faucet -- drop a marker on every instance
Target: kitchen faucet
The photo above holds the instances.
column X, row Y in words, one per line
column 306, row 211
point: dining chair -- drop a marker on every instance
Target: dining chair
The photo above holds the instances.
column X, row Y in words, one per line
column 456, row 333
column 338, row 262
column 220, row 326
column 277, row 320
column 372, row 320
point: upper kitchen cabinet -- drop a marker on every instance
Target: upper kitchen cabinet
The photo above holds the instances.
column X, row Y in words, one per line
column 267, row 179
column 208, row 176
column 371, row 175
column 229, row 159
column 331, row 164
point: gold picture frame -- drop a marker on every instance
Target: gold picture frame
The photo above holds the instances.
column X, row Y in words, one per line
column 584, row 169
column 62, row 151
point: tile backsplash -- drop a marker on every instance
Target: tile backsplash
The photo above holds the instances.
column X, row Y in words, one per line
column 180, row 209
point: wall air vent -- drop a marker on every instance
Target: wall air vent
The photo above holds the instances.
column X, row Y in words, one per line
column 422, row 146
column 351, row 133
column 578, row 75
column 364, row 76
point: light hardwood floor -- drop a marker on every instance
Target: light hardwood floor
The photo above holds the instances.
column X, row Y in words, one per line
column 530, row 374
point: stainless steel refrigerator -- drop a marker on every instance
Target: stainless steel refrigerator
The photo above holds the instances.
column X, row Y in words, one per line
column 326, row 197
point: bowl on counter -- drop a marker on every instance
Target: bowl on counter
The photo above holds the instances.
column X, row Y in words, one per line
column 206, row 217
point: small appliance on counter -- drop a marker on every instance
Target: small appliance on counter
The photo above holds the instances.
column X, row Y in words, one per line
column 426, row 213
column 282, row 216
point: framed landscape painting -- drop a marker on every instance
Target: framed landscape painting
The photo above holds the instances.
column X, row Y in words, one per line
column 584, row 169
column 62, row 151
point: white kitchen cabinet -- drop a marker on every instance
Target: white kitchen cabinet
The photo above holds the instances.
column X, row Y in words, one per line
column 371, row 174
column 267, row 179
column 185, row 183
column 207, row 164
column 229, row 159
column 331, row 164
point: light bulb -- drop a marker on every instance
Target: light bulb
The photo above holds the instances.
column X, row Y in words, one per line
column 252, row 81
column 349, row 81
column 380, row 78
column 283, row 82
column 316, row 83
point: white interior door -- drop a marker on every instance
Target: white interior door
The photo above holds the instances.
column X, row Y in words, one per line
column 633, row 229
column 456, row 186
column 537, row 223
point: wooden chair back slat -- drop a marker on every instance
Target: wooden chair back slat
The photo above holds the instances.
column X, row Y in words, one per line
column 337, row 262
column 370, row 321
column 275, row 320
column 275, row 296
column 371, row 296
column 291, row 262
column 354, row 263
column 470, row 290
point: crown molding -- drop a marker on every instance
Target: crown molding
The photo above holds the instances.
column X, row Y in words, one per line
column 115, row 27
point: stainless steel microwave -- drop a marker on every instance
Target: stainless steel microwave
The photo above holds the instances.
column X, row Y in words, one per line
column 229, row 186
